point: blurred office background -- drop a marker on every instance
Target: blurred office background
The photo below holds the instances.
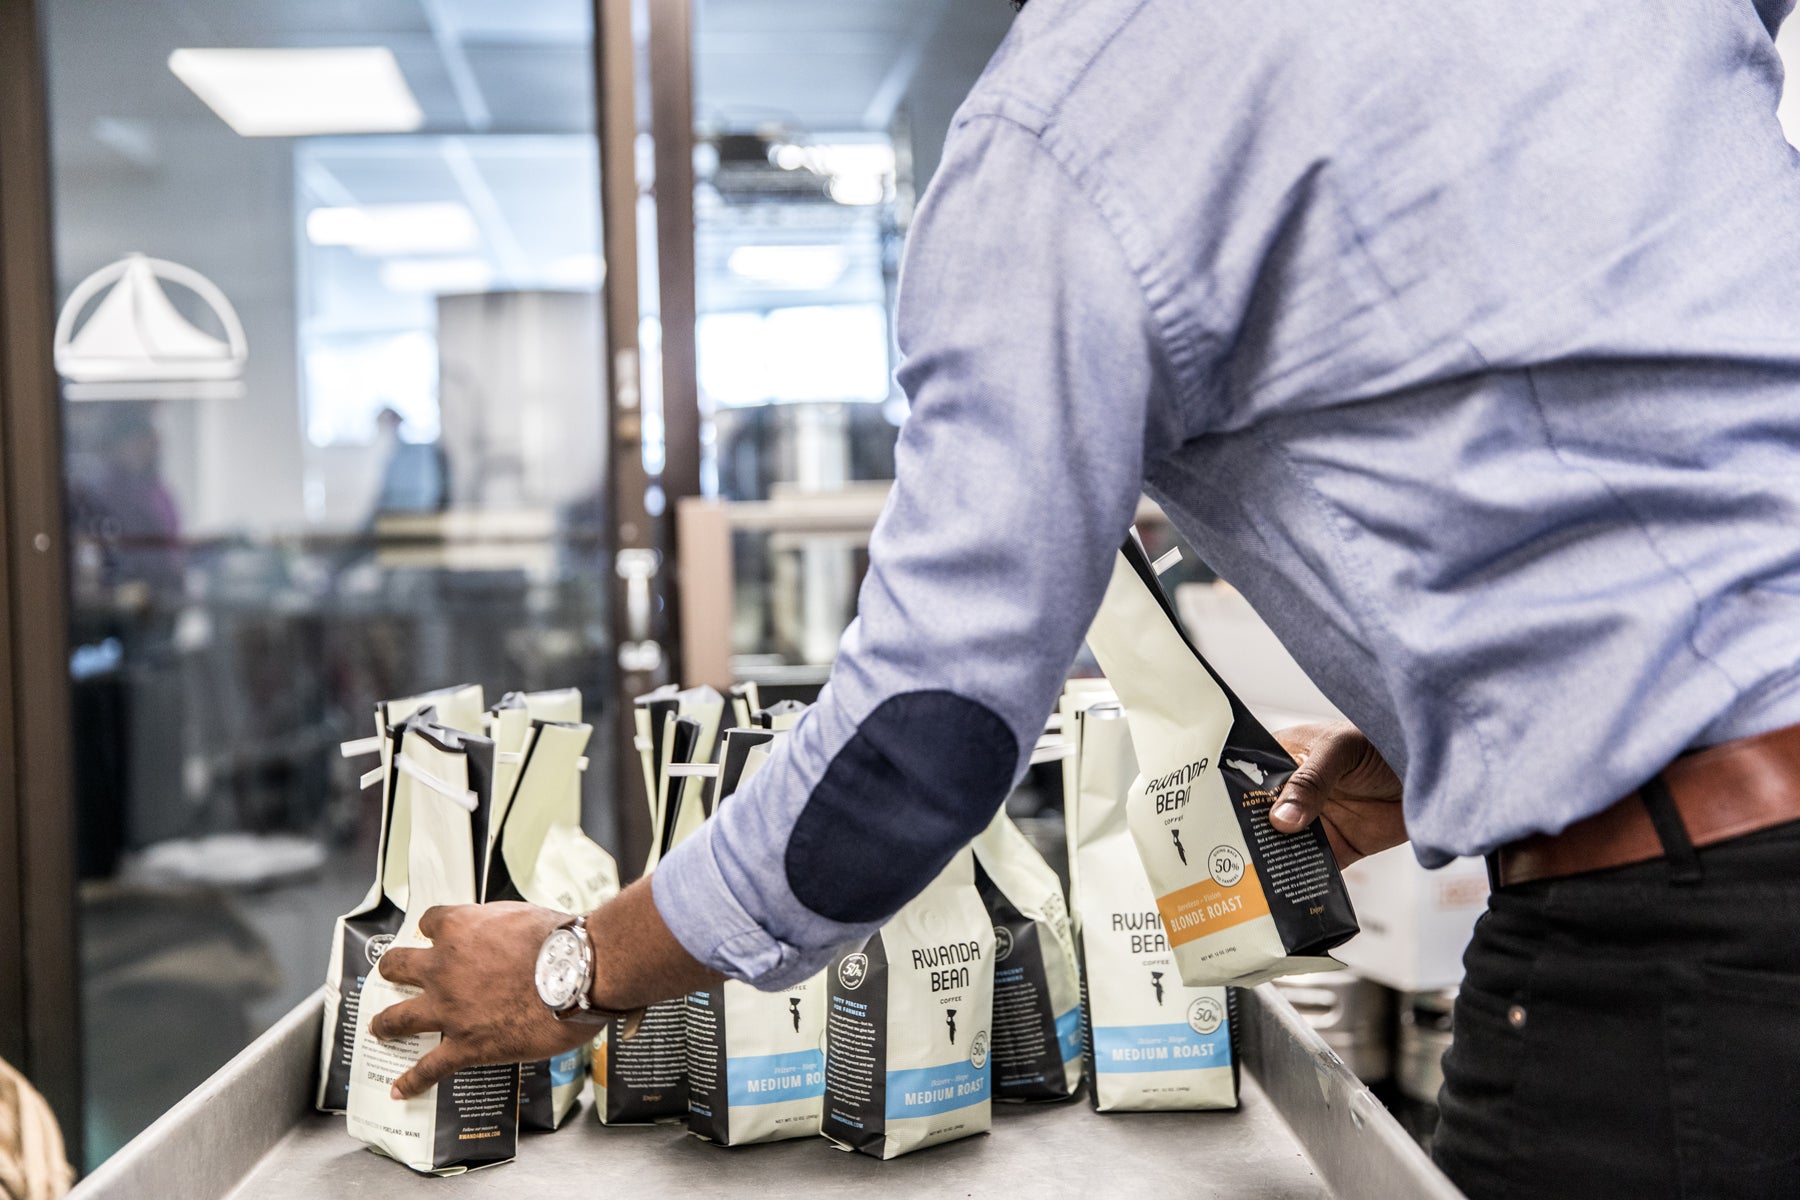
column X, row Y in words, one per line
column 394, row 475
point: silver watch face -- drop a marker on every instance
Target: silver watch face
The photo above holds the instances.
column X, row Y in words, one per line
column 559, row 971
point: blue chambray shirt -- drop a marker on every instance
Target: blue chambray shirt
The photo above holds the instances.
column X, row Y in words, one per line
column 1463, row 338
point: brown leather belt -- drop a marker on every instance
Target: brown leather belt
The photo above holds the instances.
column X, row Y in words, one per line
column 1721, row 792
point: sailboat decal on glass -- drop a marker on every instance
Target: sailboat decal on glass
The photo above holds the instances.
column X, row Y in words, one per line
column 135, row 344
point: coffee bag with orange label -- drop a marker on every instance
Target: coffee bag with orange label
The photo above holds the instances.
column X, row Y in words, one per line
column 1240, row 902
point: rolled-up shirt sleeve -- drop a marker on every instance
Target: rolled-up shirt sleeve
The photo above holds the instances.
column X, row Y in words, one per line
column 1033, row 368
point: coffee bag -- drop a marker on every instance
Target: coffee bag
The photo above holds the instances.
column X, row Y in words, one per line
column 756, row 1060
column 509, row 724
column 908, row 1039
column 541, row 856
column 470, row 1119
column 359, row 936
column 1241, row 903
column 643, row 1078
column 1153, row 1042
column 1037, row 985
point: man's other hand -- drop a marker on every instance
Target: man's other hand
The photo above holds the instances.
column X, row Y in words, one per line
column 479, row 977
column 1343, row 782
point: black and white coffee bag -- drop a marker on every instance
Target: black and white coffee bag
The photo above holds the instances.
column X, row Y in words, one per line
column 1240, row 902
column 908, row 1036
column 470, row 1119
column 359, row 936
column 756, row 1060
column 1154, row 1043
column 541, row 856
column 1037, row 985
column 643, row 1078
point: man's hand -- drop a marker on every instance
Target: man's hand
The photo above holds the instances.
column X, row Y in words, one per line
column 480, row 980
column 1343, row 782
column 480, row 991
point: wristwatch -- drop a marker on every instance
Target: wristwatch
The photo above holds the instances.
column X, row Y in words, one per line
column 565, row 975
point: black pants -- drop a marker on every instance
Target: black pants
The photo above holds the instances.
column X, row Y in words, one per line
column 1633, row 1032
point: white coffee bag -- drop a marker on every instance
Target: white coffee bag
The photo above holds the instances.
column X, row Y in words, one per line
column 541, row 856
column 1241, row 902
column 359, row 936
column 471, row 1119
column 909, row 1039
column 1037, row 985
column 509, row 724
column 643, row 1078
column 756, row 1060
column 1154, row 1043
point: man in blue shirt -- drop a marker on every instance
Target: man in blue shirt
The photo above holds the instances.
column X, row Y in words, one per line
column 1462, row 339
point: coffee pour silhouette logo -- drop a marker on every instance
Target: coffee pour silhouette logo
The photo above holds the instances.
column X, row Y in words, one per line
column 1179, row 848
column 1156, row 982
column 950, row 1020
column 794, row 1011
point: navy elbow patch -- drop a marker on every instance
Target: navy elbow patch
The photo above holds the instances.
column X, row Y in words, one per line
column 922, row 776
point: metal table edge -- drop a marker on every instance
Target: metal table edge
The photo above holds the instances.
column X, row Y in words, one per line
column 204, row 1146
column 1357, row 1147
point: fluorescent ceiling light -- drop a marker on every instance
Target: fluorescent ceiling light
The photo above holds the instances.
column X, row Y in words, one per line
column 297, row 93
column 381, row 229
column 857, row 189
column 804, row 268
column 433, row 275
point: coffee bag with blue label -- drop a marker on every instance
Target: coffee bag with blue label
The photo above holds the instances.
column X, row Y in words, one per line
column 756, row 1060
column 1154, row 1043
column 1037, row 986
column 1240, row 902
column 908, row 1025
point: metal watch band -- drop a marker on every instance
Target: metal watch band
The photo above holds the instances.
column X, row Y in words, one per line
column 582, row 1011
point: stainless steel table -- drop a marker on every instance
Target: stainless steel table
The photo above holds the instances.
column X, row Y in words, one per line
column 1306, row 1129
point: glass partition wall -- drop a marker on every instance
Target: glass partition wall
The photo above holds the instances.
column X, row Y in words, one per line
column 819, row 125
column 332, row 393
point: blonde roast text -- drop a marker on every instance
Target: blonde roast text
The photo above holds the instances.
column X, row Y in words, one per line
column 1232, row 894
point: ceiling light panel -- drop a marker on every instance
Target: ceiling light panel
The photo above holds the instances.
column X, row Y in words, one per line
column 386, row 229
column 301, row 93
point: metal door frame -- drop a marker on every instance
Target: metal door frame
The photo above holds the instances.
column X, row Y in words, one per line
column 644, row 84
column 40, row 1023
column 39, row 965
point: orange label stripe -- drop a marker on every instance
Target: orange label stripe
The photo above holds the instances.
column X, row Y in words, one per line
column 1208, row 907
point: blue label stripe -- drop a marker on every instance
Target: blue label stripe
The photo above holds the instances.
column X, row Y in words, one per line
column 1138, row 1048
column 927, row 1091
column 565, row 1068
column 774, row 1078
column 1068, row 1034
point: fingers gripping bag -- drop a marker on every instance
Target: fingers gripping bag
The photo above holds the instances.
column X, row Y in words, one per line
column 908, row 1036
column 1154, row 1043
column 471, row 1118
column 541, row 856
column 359, row 936
column 643, row 1078
column 1037, row 986
column 1241, row 903
column 756, row 1060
